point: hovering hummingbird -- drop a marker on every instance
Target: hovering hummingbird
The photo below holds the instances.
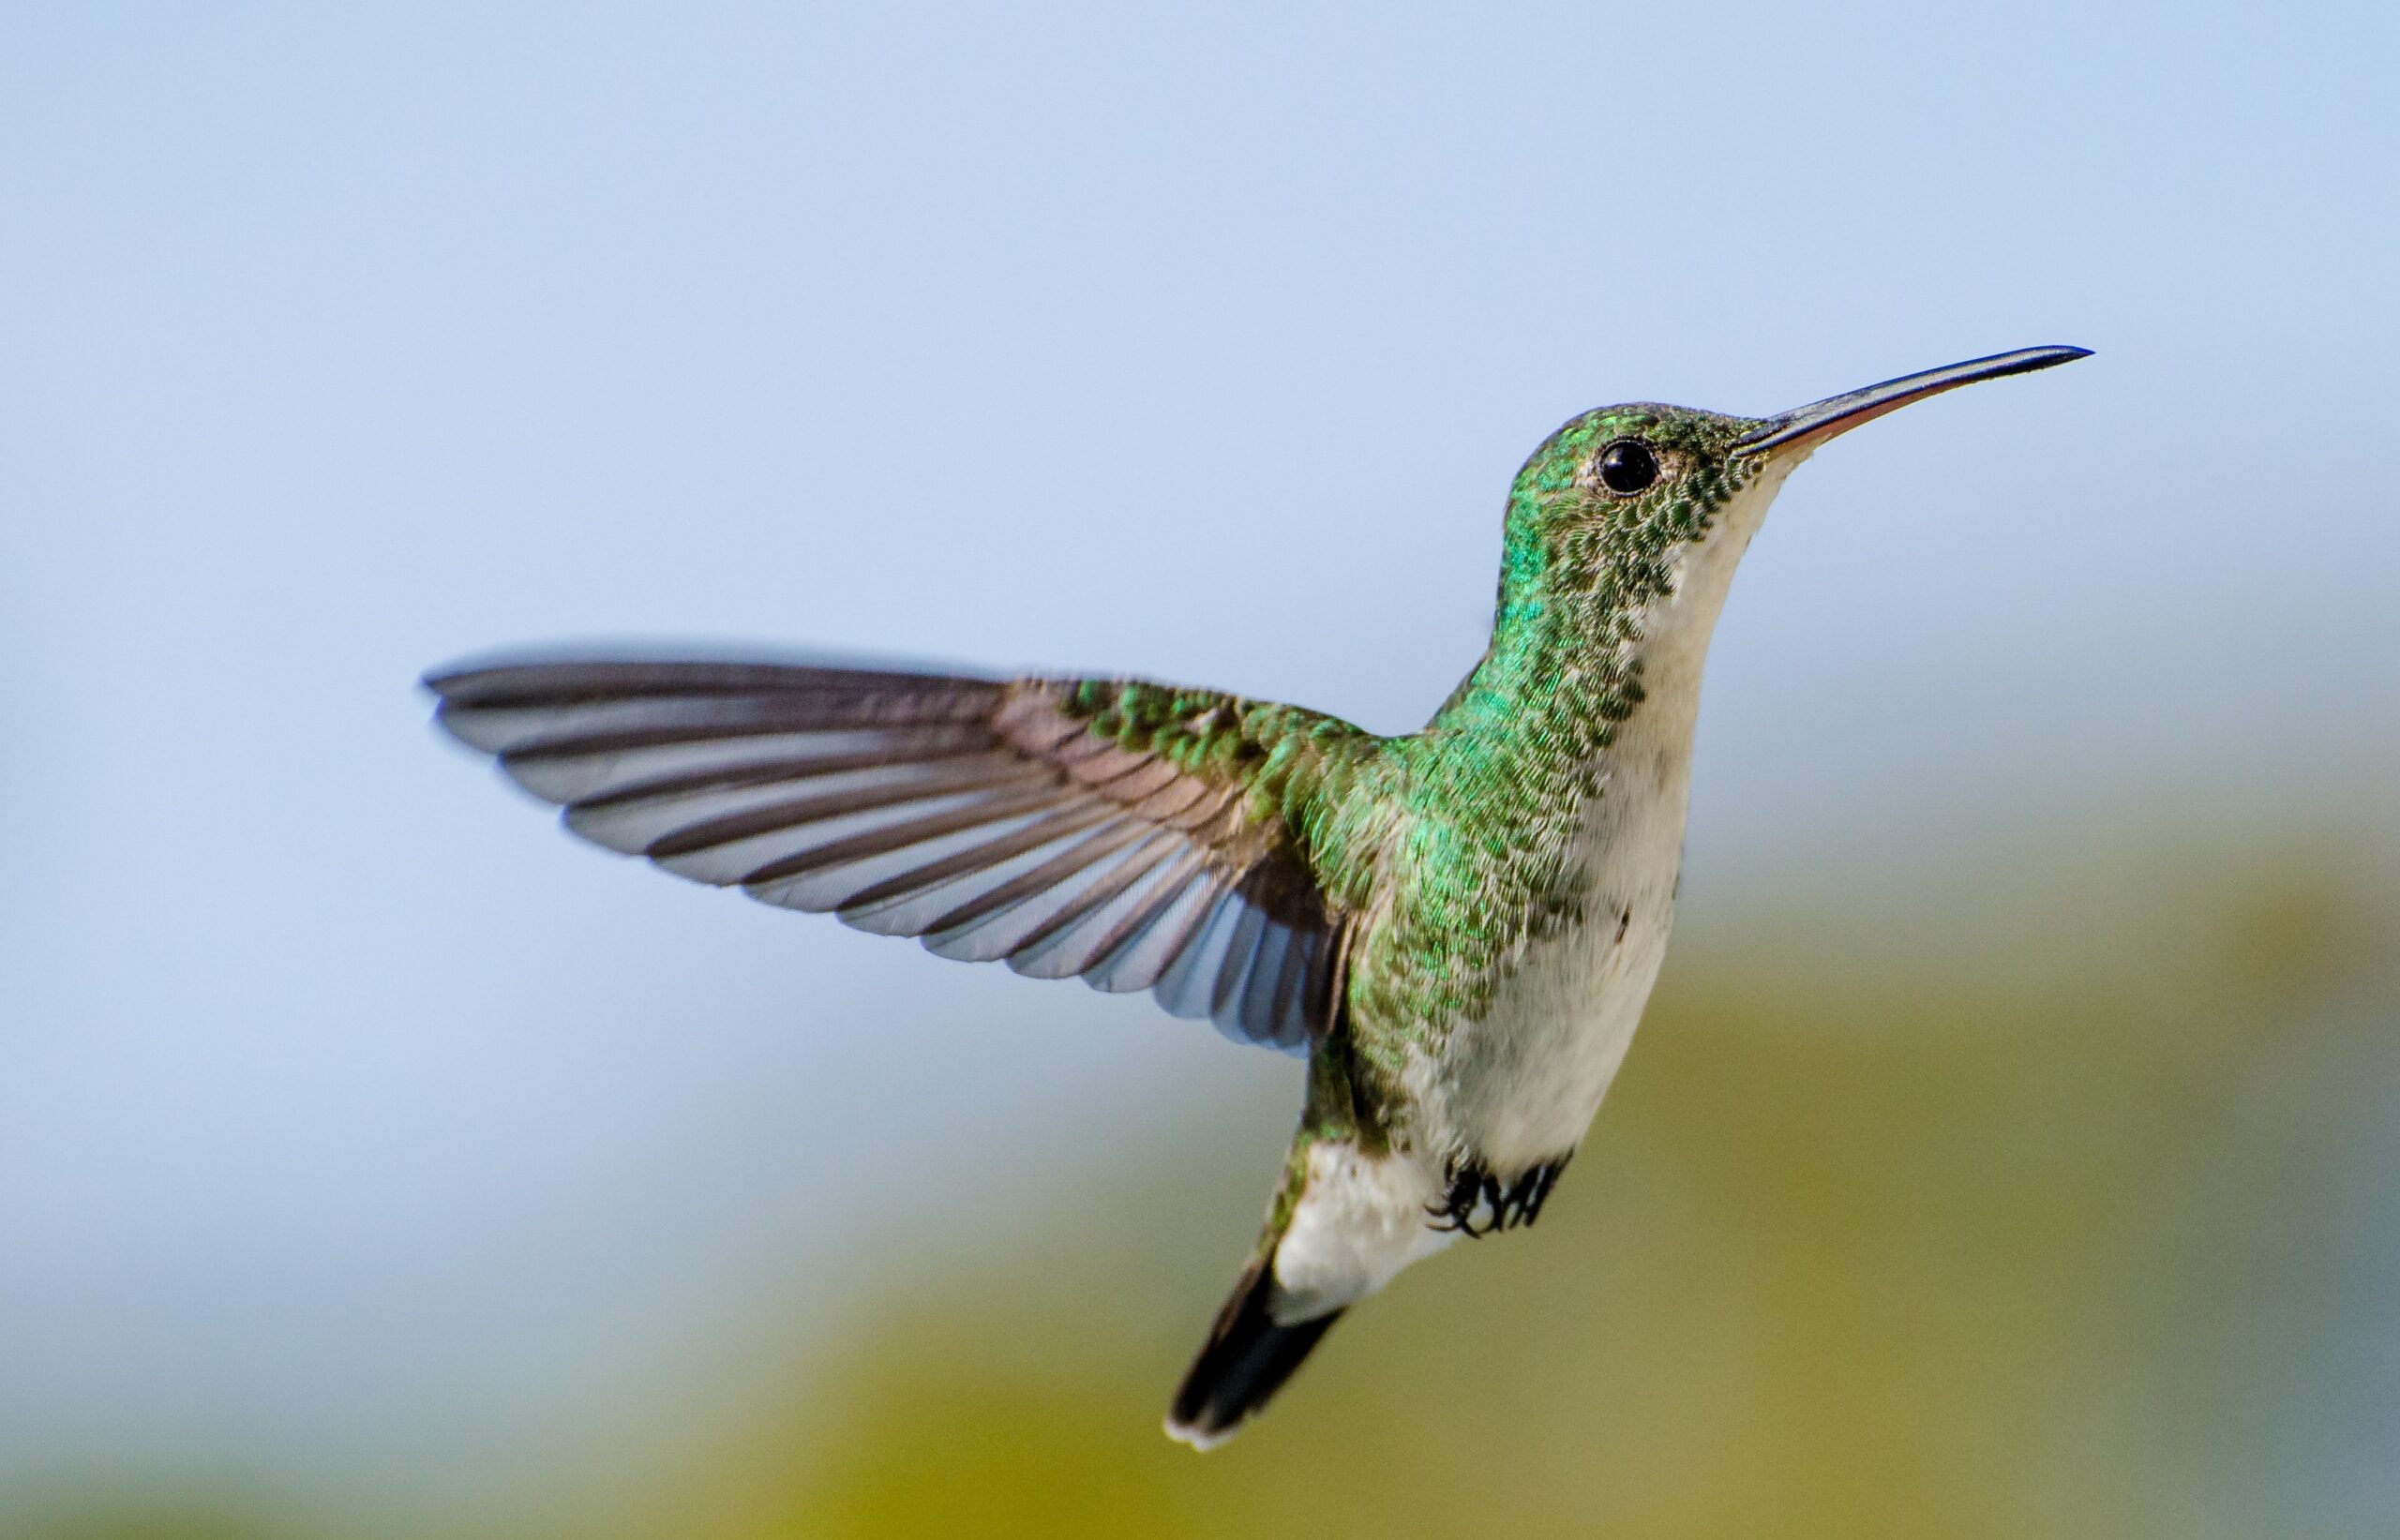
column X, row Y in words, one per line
column 1457, row 927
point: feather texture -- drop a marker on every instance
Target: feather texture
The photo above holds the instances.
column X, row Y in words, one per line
column 1110, row 831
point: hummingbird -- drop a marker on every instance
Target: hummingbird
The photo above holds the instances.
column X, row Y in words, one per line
column 1457, row 928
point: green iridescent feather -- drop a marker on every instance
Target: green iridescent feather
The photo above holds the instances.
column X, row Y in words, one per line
column 1451, row 845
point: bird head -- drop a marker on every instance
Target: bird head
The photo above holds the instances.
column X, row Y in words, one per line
column 1611, row 499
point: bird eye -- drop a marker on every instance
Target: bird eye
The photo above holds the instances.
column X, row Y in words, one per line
column 1627, row 467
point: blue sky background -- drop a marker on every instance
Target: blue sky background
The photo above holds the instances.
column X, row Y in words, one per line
column 355, row 1122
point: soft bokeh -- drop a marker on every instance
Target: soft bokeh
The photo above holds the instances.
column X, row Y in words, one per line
column 2011, row 1149
column 1894, row 1230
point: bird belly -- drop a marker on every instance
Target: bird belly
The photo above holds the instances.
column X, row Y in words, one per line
column 1514, row 1089
column 1524, row 1083
column 1518, row 1087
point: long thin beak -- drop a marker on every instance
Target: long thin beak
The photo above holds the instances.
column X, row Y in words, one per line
column 1813, row 425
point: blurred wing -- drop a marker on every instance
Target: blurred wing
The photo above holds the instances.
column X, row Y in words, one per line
column 1097, row 829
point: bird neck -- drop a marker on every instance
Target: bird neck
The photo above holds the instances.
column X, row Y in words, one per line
column 1563, row 662
column 1494, row 797
column 1591, row 629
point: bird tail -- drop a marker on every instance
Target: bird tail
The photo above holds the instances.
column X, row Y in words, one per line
column 1246, row 1359
column 1362, row 1213
column 1256, row 1342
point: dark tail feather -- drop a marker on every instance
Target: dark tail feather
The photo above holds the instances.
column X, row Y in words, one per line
column 1245, row 1361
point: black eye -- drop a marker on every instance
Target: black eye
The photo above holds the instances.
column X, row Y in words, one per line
column 1627, row 467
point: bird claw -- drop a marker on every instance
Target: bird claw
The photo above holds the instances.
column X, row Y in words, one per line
column 1478, row 1203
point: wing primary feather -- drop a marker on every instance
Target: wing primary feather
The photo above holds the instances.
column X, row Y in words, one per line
column 577, row 682
column 1042, row 878
column 1243, row 954
column 614, row 726
column 891, row 837
column 990, row 772
column 1248, row 1011
column 1180, row 988
column 998, row 929
column 1288, row 1008
column 977, row 858
column 1153, row 938
column 923, row 747
column 1087, row 945
column 1096, row 899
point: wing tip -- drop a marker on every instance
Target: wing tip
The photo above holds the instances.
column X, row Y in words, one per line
column 536, row 675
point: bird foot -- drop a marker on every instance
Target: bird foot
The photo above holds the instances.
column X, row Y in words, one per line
column 1478, row 1203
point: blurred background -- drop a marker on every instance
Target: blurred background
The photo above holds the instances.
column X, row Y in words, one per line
column 2014, row 1144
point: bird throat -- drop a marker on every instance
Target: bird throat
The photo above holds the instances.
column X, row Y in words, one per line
column 1589, row 691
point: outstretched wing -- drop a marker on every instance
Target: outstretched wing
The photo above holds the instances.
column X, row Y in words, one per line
column 1133, row 834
